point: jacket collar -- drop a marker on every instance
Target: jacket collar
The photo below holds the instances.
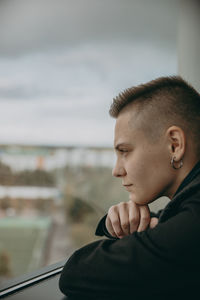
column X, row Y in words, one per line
column 192, row 174
column 186, row 190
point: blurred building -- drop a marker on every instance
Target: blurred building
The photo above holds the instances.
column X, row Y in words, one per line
column 44, row 158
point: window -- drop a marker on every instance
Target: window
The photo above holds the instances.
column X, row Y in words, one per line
column 61, row 63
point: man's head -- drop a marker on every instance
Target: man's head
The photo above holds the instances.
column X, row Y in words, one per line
column 155, row 122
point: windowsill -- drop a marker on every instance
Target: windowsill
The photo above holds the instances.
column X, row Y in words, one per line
column 39, row 280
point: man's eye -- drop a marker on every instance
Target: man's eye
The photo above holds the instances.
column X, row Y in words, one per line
column 123, row 150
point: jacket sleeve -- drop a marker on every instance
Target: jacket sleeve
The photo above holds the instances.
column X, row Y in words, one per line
column 157, row 214
column 141, row 262
column 101, row 229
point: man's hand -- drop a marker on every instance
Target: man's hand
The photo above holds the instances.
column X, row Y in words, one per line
column 128, row 217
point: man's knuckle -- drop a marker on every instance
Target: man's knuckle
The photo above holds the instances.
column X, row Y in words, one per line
column 115, row 222
column 109, row 211
column 112, row 207
column 134, row 221
column 145, row 219
column 112, row 210
column 112, row 233
column 125, row 225
column 119, row 232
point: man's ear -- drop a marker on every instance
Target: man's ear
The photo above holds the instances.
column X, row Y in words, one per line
column 177, row 142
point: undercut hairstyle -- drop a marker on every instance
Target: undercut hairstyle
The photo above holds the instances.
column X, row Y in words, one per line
column 161, row 103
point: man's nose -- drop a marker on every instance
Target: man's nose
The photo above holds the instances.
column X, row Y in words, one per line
column 118, row 171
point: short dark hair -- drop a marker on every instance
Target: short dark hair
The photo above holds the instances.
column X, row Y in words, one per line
column 166, row 100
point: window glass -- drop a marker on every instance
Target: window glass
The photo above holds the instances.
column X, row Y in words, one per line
column 61, row 63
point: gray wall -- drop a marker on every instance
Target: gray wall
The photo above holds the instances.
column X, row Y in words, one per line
column 189, row 41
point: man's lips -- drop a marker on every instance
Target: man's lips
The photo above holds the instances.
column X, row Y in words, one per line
column 127, row 186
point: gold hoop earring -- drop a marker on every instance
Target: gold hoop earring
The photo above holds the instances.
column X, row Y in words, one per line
column 172, row 163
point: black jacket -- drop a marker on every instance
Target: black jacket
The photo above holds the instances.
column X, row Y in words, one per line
column 159, row 263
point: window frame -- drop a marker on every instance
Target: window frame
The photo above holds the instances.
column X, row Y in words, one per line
column 19, row 283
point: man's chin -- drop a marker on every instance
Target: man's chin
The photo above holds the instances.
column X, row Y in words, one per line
column 135, row 199
column 138, row 201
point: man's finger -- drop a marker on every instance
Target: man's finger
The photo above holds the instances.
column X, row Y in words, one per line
column 144, row 217
column 113, row 214
column 124, row 218
column 109, row 227
column 153, row 222
column 134, row 216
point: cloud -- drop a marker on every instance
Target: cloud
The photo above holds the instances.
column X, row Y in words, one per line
column 62, row 125
column 34, row 26
column 83, row 72
column 61, row 64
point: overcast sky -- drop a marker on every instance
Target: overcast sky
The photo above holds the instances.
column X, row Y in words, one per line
column 62, row 62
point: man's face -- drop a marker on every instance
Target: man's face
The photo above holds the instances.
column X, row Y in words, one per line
column 144, row 167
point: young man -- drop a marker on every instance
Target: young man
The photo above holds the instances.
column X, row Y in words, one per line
column 146, row 255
